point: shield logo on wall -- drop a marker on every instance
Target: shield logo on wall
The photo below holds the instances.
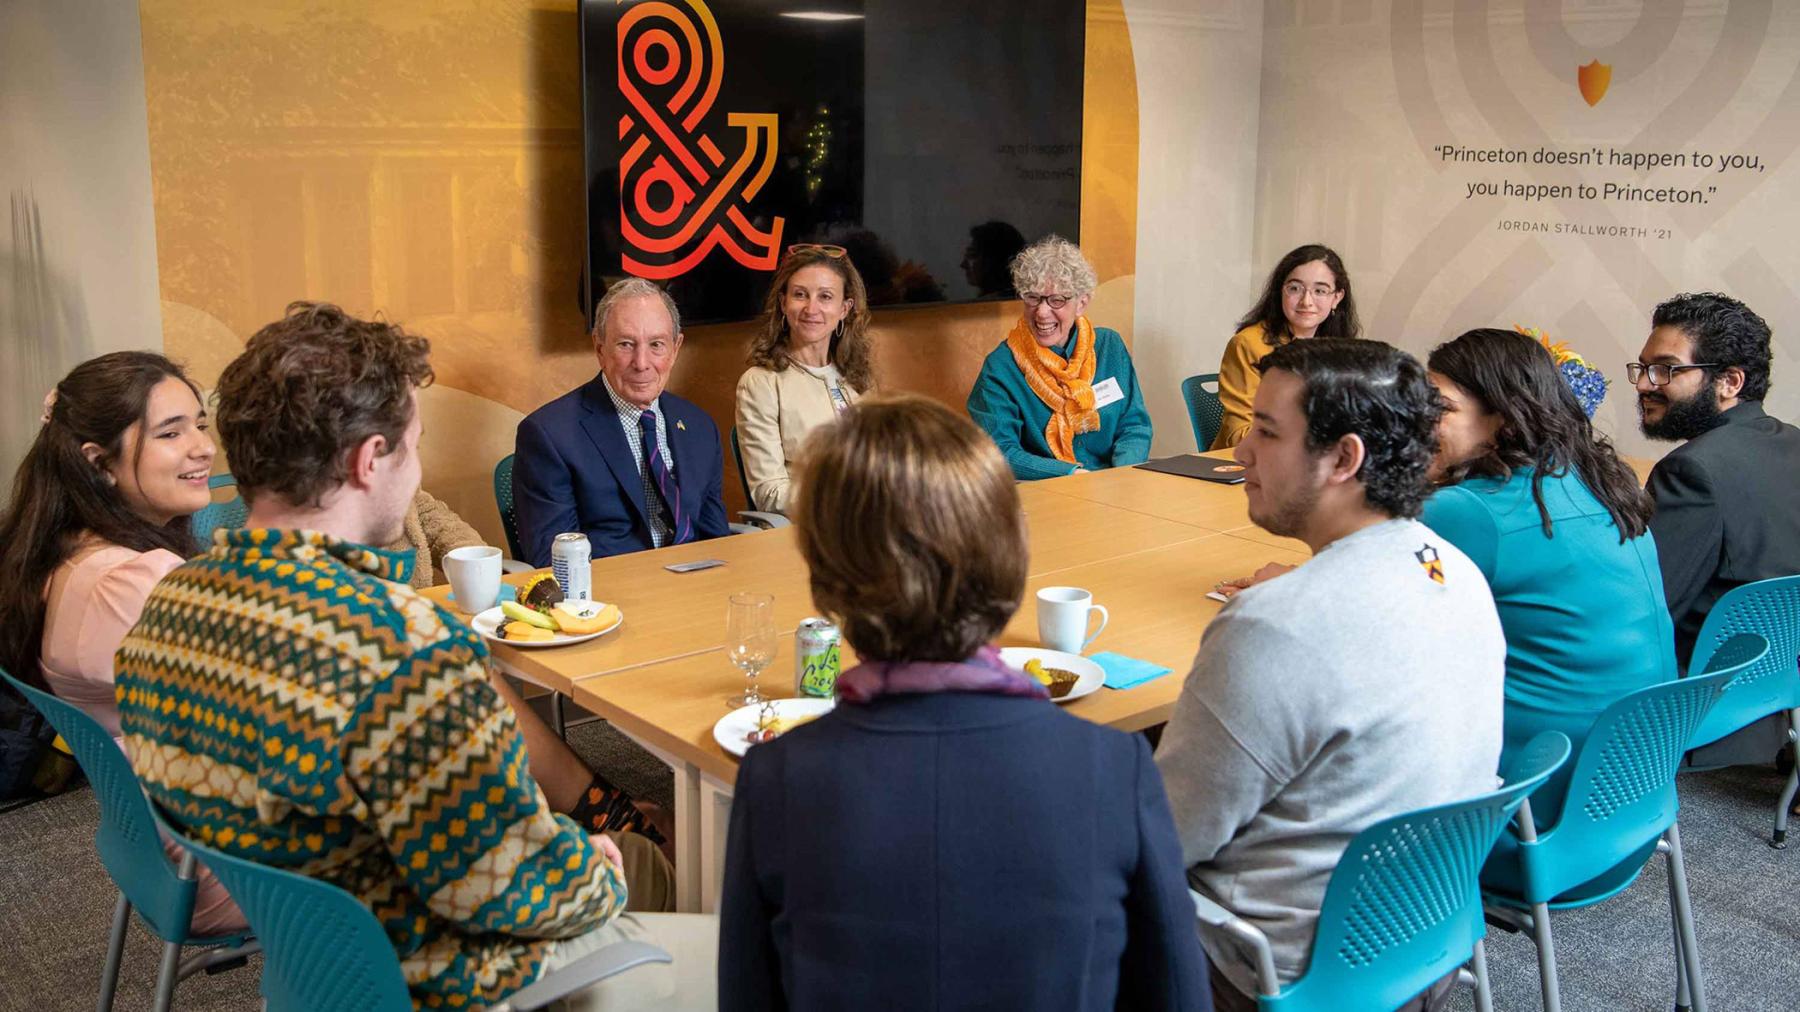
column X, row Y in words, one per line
column 1594, row 79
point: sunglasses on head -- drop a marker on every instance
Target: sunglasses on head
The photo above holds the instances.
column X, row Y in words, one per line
column 834, row 252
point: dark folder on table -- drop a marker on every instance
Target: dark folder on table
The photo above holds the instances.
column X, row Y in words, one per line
column 1192, row 465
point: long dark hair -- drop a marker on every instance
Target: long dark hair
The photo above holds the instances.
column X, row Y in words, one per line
column 59, row 495
column 1342, row 321
column 1542, row 425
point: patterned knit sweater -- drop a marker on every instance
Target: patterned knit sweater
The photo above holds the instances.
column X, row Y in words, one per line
column 288, row 699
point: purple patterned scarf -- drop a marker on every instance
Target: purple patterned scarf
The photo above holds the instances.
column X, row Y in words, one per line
column 982, row 672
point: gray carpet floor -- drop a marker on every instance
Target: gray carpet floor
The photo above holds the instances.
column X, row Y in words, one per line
column 56, row 903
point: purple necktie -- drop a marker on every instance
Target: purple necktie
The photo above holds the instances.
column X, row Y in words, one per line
column 665, row 482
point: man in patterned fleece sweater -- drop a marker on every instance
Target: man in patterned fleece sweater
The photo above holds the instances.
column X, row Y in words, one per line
column 288, row 699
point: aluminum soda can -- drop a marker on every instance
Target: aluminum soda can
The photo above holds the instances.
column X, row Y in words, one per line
column 816, row 658
column 570, row 555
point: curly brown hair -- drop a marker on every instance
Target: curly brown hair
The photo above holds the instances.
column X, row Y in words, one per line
column 849, row 346
column 307, row 389
column 909, row 522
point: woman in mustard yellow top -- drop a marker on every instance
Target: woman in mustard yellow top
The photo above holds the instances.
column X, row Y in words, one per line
column 1308, row 295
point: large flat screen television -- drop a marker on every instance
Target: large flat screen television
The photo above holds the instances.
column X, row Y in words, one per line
column 930, row 138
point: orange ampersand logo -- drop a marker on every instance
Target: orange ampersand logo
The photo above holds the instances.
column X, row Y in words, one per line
column 677, row 198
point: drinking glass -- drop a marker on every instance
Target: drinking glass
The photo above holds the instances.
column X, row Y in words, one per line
column 750, row 640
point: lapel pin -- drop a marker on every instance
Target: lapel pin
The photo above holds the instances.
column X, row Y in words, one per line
column 681, row 425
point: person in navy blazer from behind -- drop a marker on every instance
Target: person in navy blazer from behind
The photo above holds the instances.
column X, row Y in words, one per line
column 947, row 837
column 577, row 468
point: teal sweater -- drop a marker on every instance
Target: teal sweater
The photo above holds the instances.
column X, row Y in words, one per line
column 1584, row 615
column 1003, row 404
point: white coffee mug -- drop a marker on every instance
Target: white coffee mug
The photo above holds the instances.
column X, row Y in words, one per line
column 474, row 574
column 1063, row 618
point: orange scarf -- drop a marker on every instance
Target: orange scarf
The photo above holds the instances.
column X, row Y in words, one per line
column 1066, row 386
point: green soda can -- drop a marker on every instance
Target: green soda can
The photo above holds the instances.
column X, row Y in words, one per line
column 816, row 658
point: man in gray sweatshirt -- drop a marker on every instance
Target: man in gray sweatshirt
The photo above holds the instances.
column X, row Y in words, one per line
column 1361, row 685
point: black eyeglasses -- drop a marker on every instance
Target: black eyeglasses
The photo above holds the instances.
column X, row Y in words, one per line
column 1661, row 373
column 1032, row 300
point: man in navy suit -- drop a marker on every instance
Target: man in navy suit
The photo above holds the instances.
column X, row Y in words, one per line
column 620, row 459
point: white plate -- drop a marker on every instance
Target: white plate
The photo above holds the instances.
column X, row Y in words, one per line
column 488, row 623
column 1092, row 677
column 731, row 730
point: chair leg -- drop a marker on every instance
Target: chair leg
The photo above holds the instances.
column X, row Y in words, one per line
column 1684, row 919
column 556, row 716
column 1683, row 1000
column 166, row 976
column 1779, row 842
column 115, row 952
column 1546, row 946
column 1484, row 998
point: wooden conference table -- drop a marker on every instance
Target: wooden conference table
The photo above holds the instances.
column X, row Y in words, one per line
column 1149, row 546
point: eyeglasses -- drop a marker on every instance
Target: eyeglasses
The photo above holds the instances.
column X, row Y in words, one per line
column 1295, row 289
column 1033, row 300
column 834, row 252
column 1661, row 373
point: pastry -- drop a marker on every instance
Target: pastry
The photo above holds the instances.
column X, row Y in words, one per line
column 540, row 592
column 1057, row 681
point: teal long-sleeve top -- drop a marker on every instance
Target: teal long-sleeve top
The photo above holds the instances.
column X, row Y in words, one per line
column 1003, row 404
column 1584, row 615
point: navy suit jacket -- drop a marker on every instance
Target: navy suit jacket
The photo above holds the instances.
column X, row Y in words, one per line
column 573, row 471
column 955, row 850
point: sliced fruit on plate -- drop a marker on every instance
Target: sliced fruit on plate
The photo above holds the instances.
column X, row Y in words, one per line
column 578, row 618
column 519, row 613
column 524, row 631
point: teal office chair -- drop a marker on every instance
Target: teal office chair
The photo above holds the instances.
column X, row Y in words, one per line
column 1771, row 609
column 229, row 514
column 323, row 951
column 1620, row 809
column 133, row 855
column 503, row 498
column 1403, row 907
column 754, row 519
column 1204, row 408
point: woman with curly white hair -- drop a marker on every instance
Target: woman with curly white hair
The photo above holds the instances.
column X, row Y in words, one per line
column 1059, row 395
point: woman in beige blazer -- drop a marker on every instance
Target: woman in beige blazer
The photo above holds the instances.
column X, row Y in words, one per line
column 810, row 361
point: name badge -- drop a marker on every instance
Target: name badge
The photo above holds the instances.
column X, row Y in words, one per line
column 1107, row 392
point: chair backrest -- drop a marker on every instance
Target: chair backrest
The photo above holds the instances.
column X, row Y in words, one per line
column 737, row 456
column 503, row 499
column 1204, row 408
column 127, row 840
column 1770, row 609
column 323, row 951
column 227, row 515
column 1403, row 907
column 1622, row 790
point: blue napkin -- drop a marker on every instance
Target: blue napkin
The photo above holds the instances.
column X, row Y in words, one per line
column 508, row 592
column 1124, row 672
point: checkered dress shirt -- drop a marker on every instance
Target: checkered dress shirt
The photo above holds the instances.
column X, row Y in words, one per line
column 660, row 532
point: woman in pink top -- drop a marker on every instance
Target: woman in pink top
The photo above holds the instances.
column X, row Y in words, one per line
column 99, row 513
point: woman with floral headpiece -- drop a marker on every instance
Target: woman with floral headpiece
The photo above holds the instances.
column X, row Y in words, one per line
column 1560, row 527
